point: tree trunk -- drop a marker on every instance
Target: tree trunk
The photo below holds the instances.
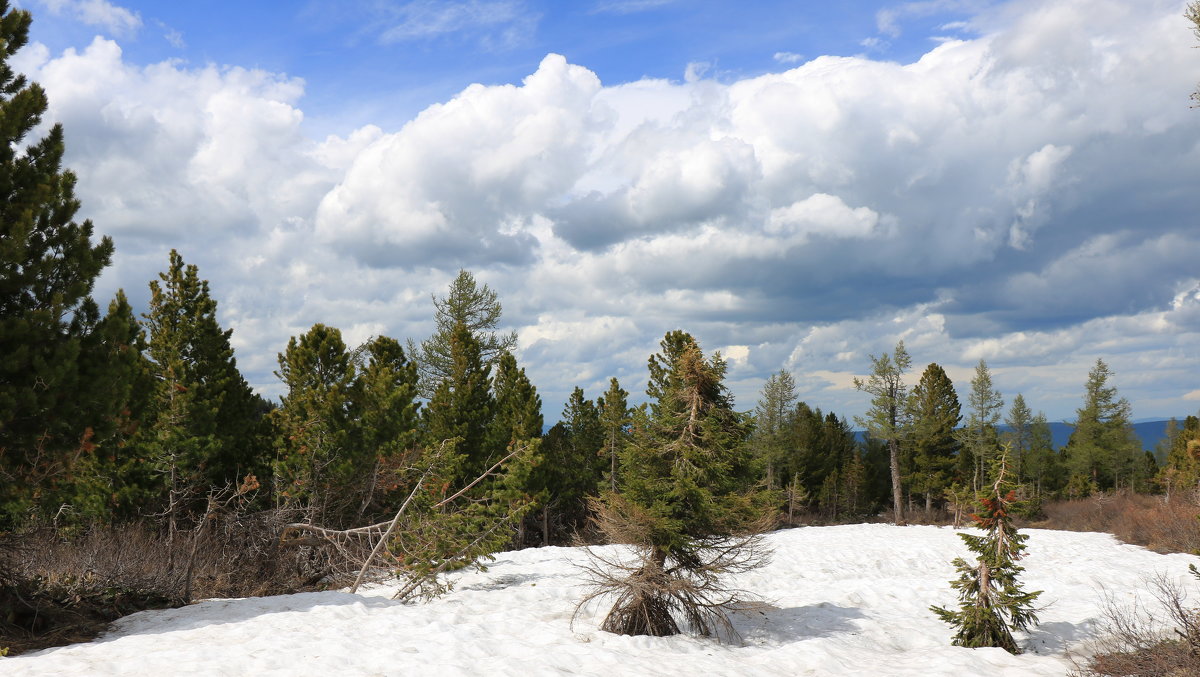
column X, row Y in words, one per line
column 897, row 494
column 545, row 525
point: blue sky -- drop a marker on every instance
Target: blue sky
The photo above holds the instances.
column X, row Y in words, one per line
column 799, row 184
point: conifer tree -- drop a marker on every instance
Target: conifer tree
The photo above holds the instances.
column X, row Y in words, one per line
column 1019, row 435
column 979, row 436
column 205, row 427
column 385, row 417
column 885, row 419
column 1103, row 449
column 685, row 498
column 115, row 482
column 615, row 418
column 475, row 307
column 48, row 266
column 317, row 459
column 772, row 421
column 462, row 407
column 935, row 412
column 992, row 602
column 1042, row 465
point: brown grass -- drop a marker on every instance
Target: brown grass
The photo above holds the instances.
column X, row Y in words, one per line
column 1154, row 522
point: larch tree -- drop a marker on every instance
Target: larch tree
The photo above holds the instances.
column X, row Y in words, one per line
column 1019, row 436
column 979, row 435
column 772, row 422
column 48, row 267
column 687, row 503
column 885, row 420
column 935, row 413
column 477, row 308
column 1103, row 449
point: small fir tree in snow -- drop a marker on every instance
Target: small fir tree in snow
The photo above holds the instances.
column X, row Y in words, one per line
column 992, row 603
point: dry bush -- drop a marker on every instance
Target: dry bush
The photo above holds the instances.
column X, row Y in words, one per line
column 58, row 588
column 1160, row 524
column 1136, row 640
column 659, row 594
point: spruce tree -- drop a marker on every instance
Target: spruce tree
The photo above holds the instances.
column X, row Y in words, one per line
column 48, row 266
column 686, row 501
column 935, row 412
column 992, row 602
column 885, row 419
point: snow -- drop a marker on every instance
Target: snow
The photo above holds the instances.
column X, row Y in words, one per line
column 847, row 600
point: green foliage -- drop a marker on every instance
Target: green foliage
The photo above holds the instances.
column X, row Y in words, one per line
column 49, row 412
column 934, row 411
column 475, row 307
column 885, row 419
column 1181, row 472
column 992, row 603
column 205, row 425
column 1103, row 446
column 979, row 436
column 462, row 406
column 773, row 421
column 687, row 469
column 615, row 418
column 317, row 459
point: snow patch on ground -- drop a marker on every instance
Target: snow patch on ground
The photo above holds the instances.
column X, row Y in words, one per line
column 846, row 600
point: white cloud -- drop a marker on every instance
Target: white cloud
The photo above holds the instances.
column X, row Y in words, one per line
column 788, row 57
column 990, row 200
column 117, row 20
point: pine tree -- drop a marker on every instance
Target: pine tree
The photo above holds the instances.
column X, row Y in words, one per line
column 317, row 460
column 615, row 418
column 463, row 408
column 205, row 427
column 686, row 496
column 992, row 603
column 885, row 419
column 475, row 307
column 518, row 421
column 384, row 419
column 935, row 412
column 979, row 436
column 48, row 266
column 114, row 482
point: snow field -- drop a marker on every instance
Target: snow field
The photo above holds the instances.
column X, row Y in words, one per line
column 847, row 600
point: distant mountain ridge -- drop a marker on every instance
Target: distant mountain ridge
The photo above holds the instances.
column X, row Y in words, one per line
column 1149, row 432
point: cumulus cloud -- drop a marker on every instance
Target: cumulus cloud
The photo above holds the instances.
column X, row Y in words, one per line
column 990, row 199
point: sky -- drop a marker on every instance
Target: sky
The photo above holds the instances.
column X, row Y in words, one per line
column 798, row 184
